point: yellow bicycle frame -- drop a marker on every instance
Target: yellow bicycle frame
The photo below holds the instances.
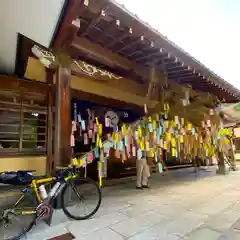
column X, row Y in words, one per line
column 35, row 183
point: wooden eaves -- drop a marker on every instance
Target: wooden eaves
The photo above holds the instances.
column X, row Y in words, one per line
column 105, row 34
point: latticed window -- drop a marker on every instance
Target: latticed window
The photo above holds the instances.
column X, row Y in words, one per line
column 23, row 117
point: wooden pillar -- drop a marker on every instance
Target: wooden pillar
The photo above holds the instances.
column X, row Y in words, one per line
column 49, row 78
column 62, row 134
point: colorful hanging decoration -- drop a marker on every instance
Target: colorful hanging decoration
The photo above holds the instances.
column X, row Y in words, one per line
column 156, row 136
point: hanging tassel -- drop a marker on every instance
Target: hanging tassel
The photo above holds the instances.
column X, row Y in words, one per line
column 150, row 127
column 182, row 122
column 96, row 153
column 120, row 146
column 83, row 124
column 79, row 118
column 91, row 125
column 100, row 143
column 147, row 146
column 93, row 137
column 97, row 140
column 90, row 158
column 97, row 122
column 90, row 133
column 126, row 140
column 95, row 128
column 85, row 138
column 134, row 151
column 145, row 109
column 156, row 157
column 100, row 129
column 100, row 173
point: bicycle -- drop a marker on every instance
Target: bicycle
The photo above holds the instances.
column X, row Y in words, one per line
column 66, row 179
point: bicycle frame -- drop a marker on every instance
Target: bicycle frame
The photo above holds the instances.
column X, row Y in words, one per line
column 64, row 184
column 35, row 183
column 34, row 186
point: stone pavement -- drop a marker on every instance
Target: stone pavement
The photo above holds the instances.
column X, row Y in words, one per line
column 179, row 205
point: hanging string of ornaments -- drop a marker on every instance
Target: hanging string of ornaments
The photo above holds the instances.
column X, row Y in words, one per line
column 159, row 135
column 154, row 135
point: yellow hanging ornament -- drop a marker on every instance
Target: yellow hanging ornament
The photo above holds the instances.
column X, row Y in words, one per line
column 154, row 124
column 182, row 121
column 97, row 122
column 139, row 132
column 173, row 142
column 100, row 129
column 181, row 139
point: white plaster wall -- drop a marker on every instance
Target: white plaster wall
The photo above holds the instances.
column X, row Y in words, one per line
column 35, row 19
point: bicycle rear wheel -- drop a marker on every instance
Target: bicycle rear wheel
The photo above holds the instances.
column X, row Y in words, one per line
column 17, row 220
column 81, row 192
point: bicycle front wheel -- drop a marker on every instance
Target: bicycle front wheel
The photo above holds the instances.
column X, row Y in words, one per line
column 81, row 198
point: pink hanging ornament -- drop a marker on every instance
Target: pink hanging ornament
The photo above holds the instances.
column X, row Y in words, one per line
column 134, row 151
column 85, row 138
column 90, row 124
column 72, row 141
column 95, row 128
column 90, row 133
column 90, row 158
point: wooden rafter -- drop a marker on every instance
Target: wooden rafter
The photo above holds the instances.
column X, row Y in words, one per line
column 130, row 45
column 70, row 17
column 96, row 19
column 146, row 57
column 120, row 38
column 178, row 60
column 109, row 57
column 140, row 51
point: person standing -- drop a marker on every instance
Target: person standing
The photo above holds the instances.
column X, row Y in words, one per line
column 143, row 173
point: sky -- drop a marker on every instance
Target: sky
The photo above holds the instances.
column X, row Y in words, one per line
column 209, row 30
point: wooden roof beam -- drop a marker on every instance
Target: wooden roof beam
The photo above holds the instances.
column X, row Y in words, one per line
column 70, row 18
column 150, row 55
column 96, row 20
column 127, row 33
column 108, row 57
column 177, row 65
column 141, row 28
column 181, row 75
column 132, row 44
column 141, row 51
column 179, row 71
column 113, row 24
column 93, row 23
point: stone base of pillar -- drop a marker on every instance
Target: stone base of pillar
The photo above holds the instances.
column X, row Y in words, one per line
column 222, row 170
column 234, row 168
